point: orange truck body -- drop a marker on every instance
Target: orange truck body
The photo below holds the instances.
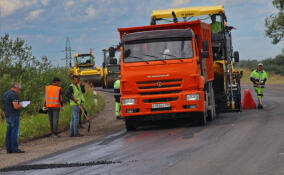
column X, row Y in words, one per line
column 168, row 81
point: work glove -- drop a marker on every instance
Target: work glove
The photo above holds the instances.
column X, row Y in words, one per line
column 44, row 109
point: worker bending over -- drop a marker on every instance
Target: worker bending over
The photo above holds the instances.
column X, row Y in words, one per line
column 259, row 77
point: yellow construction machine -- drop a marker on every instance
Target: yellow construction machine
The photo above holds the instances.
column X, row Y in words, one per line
column 84, row 67
column 111, row 66
column 227, row 89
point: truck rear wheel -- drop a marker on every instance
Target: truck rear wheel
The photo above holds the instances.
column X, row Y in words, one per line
column 212, row 110
column 130, row 124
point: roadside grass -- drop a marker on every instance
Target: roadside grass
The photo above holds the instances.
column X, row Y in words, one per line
column 272, row 78
column 34, row 126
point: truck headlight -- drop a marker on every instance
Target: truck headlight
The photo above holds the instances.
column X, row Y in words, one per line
column 128, row 101
column 192, row 97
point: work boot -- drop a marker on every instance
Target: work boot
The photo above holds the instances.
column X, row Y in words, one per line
column 56, row 135
column 19, row 151
column 118, row 117
column 260, row 106
column 78, row 135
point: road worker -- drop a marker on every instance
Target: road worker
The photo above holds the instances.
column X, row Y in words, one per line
column 117, row 98
column 12, row 110
column 53, row 101
column 259, row 77
column 76, row 97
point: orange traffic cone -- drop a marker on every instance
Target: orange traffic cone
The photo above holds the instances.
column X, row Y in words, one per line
column 248, row 102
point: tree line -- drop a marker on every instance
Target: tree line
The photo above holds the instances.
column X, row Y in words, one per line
column 273, row 65
column 17, row 64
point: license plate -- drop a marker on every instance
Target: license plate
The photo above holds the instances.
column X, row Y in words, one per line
column 161, row 105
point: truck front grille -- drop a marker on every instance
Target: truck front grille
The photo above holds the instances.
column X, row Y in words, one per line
column 155, row 87
column 161, row 109
column 156, row 81
column 160, row 100
column 162, row 86
column 160, row 92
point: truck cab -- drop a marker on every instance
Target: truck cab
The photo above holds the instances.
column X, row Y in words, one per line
column 166, row 72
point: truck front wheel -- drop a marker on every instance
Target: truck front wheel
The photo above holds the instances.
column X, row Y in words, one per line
column 130, row 124
column 202, row 118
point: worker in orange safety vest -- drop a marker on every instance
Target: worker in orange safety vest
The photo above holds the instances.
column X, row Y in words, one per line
column 53, row 101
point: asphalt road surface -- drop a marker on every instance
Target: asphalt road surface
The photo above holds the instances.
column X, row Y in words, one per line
column 251, row 142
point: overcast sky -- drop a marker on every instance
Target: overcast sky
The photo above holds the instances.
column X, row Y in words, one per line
column 45, row 24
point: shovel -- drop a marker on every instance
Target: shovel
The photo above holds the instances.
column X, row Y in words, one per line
column 85, row 114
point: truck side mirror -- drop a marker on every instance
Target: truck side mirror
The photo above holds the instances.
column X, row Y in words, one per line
column 111, row 52
column 126, row 53
column 236, row 56
column 204, row 54
column 205, row 45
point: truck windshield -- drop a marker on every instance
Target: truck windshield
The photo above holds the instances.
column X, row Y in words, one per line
column 157, row 49
column 85, row 60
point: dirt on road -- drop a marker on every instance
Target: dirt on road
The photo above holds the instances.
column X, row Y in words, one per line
column 102, row 124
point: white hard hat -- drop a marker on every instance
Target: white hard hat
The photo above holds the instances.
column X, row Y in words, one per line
column 260, row 64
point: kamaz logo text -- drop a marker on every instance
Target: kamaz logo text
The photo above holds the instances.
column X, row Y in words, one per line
column 156, row 76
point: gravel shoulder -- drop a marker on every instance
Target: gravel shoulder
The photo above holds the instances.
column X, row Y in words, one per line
column 104, row 123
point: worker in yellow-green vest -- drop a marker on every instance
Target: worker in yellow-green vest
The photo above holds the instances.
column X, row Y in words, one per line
column 215, row 26
column 117, row 98
column 75, row 95
column 259, row 77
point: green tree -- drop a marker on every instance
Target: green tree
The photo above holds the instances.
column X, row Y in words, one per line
column 17, row 54
column 275, row 23
column 18, row 64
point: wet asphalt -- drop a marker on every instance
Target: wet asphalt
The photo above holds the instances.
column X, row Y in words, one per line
column 250, row 142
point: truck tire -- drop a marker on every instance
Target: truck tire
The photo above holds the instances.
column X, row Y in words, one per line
column 212, row 111
column 202, row 118
column 130, row 124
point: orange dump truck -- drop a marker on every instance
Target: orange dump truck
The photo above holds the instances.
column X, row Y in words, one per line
column 167, row 72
